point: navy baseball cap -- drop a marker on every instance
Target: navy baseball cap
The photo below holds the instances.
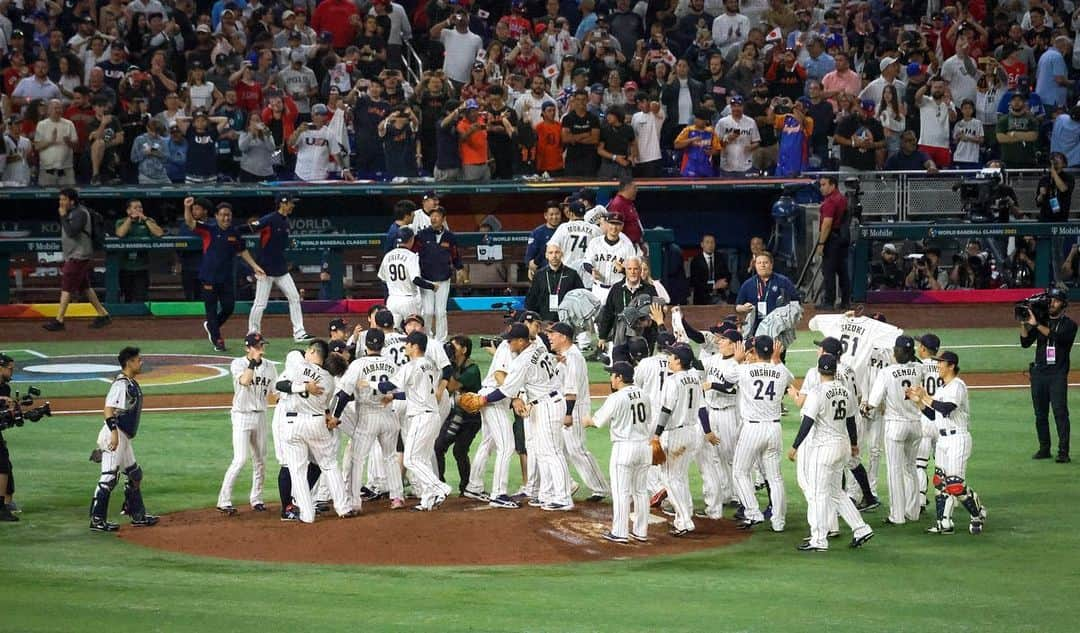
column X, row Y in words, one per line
column 904, row 342
column 384, row 318
column 763, row 345
column 287, row 199
column 254, row 340
column 337, row 324
column 405, row 234
column 683, row 352
column 530, row 316
column 577, row 207
column 431, row 194
column 637, row 348
column 665, row 340
column 830, row 345
column 949, row 357
column 5, row 360
column 588, row 194
column 623, row 370
column 517, row 330
column 614, row 218
column 563, row 328
column 930, row 342
column 826, row 364
column 417, row 338
column 338, row 346
column 413, row 317
column 732, row 335
column 374, row 340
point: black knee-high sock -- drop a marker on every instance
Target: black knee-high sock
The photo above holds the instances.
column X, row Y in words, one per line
column 972, row 506
column 284, row 487
column 768, row 493
column 859, row 473
column 313, row 473
column 939, row 505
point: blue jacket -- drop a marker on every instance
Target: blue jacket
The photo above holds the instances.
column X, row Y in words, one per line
column 538, row 240
column 753, row 291
column 439, row 256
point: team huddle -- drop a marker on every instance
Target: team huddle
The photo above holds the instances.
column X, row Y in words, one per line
column 383, row 399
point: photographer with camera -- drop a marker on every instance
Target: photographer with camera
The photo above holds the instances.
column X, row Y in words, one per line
column 7, row 477
column 135, row 265
column 925, row 274
column 1055, row 190
column 461, row 427
column 1043, row 322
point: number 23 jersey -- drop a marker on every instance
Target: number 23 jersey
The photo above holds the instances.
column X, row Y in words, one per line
column 761, row 388
column 535, row 372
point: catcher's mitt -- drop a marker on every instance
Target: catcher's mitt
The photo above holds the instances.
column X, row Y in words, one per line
column 658, row 456
column 471, row 402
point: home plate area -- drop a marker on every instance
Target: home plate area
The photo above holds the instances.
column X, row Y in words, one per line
column 461, row 532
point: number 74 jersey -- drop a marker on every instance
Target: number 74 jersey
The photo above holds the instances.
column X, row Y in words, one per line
column 761, row 388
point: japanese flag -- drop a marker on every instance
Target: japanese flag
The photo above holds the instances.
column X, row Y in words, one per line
column 774, row 35
column 551, row 71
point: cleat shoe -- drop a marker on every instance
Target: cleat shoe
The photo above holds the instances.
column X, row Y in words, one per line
column 740, row 514
column 639, row 538
column 351, row 514
column 14, row 508
column 418, row 508
column 557, row 507
column 608, row 536
column 678, row 533
column 596, row 498
column 7, row 515
column 146, row 521
column 759, row 487
column 536, row 503
column 397, row 504
column 290, row 513
column 866, row 505
column 1042, row 453
column 833, row 533
column 259, row 507
column 807, row 547
column 1062, row 458
column 940, row 528
column 861, row 540
column 100, row 322
column 219, row 346
column 503, row 501
column 381, row 495
column 476, row 496
column 322, row 507
column 439, row 500
column 367, row 494
column 227, row 510
column 767, row 513
column 303, row 338
column 888, row 521
column 748, row 525
column 101, row 525
column 658, row 498
column 520, row 496
column 56, row 326
column 975, row 527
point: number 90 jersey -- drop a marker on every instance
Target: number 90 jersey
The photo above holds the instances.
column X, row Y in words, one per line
column 398, row 269
column 535, row 372
column 761, row 389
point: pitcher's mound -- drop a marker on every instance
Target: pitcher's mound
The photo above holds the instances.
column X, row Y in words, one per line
column 461, row 532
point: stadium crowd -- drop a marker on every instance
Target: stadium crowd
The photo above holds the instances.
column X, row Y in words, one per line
column 154, row 91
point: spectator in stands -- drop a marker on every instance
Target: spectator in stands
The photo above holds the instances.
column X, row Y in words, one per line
column 699, row 144
column 887, row 273
column 299, row 82
column 580, row 135
column 617, row 149
column 910, row 157
column 529, row 106
column 535, row 251
column 447, row 155
column 202, row 133
column 401, row 147
column 731, row 28
column 340, row 18
column 841, row 80
column 890, row 70
column 1052, row 76
column 794, row 130
column 739, row 136
column 17, row 154
column 55, row 140
column 76, row 227
column 861, row 139
column 647, row 123
column 680, row 95
column 135, row 265
column 1065, row 136
column 106, row 138
column 710, row 280
column 759, row 107
column 936, row 114
column 257, row 147
column 968, row 137
column 369, row 109
column 926, row 273
column 549, row 145
column 1053, row 196
column 473, row 144
column 1017, row 134
column 550, row 284
column 461, row 45
column 502, row 133
column 315, row 145
column 35, row 86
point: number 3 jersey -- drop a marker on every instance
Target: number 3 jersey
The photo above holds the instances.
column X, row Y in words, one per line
column 829, row 405
column 534, row 373
column 889, row 388
column 398, row 269
column 628, row 413
column 761, row 388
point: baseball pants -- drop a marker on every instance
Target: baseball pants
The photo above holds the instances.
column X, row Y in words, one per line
column 713, row 487
column 311, row 440
column 113, row 462
column 379, row 430
column 875, row 436
column 759, row 442
column 531, row 485
column 420, row 433
column 546, row 452
column 262, row 297
column 825, row 498
column 901, row 443
column 680, row 446
column 951, row 456
column 248, row 441
column 927, row 442
column 578, row 454
column 725, row 424
column 629, row 470
column 434, row 309
column 402, row 307
column 498, row 436
column 321, row 489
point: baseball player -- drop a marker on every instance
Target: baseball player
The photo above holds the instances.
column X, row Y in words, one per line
column 829, row 409
column 723, row 416
column 310, row 440
column 903, row 428
column 253, row 380
column 573, row 237
column 679, row 426
column 534, row 373
column 375, row 422
column 866, row 343
column 604, row 257
column 497, row 432
column 649, row 375
column 400, row 271
column 575, row 389
column 273, row 230
column 416, row 383
column 594, row 213
column 123, row 410
column 628, row 412
column 761, row 383
column 951, row 415
column 928, row 346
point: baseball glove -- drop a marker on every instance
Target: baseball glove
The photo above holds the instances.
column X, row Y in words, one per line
column 658, row 456
column 471, row 402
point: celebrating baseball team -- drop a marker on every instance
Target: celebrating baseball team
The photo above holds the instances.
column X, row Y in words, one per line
column 368, row 415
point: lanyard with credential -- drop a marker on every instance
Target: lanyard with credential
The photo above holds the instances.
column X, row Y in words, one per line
column 761, row 289
column 558, row 283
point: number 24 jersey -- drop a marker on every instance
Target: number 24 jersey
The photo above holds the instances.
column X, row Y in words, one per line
column 761, row 388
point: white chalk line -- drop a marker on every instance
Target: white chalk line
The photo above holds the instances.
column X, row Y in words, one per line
column 1016, row 345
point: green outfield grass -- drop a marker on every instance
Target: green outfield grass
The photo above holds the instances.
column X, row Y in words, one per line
column 986, row 359
column 59, row 576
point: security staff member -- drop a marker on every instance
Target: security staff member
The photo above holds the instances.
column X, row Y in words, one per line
column 1050, row 372
column 834, row 238
column 7, row 477
column 551, row 284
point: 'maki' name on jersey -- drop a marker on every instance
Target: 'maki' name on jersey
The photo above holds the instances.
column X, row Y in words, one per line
column 256, row 396
column 418, row 379
column 628, row 413
column 398, row 269
column 650, row 375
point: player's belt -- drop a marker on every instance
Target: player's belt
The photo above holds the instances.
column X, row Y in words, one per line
column 291, row 415
column 763, row 421
column 605, row 286
column 553, row 394
column 948, row 432
column 730, row 406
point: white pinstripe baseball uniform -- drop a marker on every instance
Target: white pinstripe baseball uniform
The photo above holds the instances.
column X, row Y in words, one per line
column 603, row 255
column 954, row 437
column 649, row 376
column 497, row 432
column 248, row 416
column 628, row 413
column 418, row 379
column 903, row 429
column 575, row 374
column 682, row 397
column 932, row 382
column 573, row 238
column 376, row 423
column 294, row 360
column 724, row 421
column 398, row 269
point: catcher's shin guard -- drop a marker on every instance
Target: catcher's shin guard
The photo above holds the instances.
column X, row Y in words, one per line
column 133, row 500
